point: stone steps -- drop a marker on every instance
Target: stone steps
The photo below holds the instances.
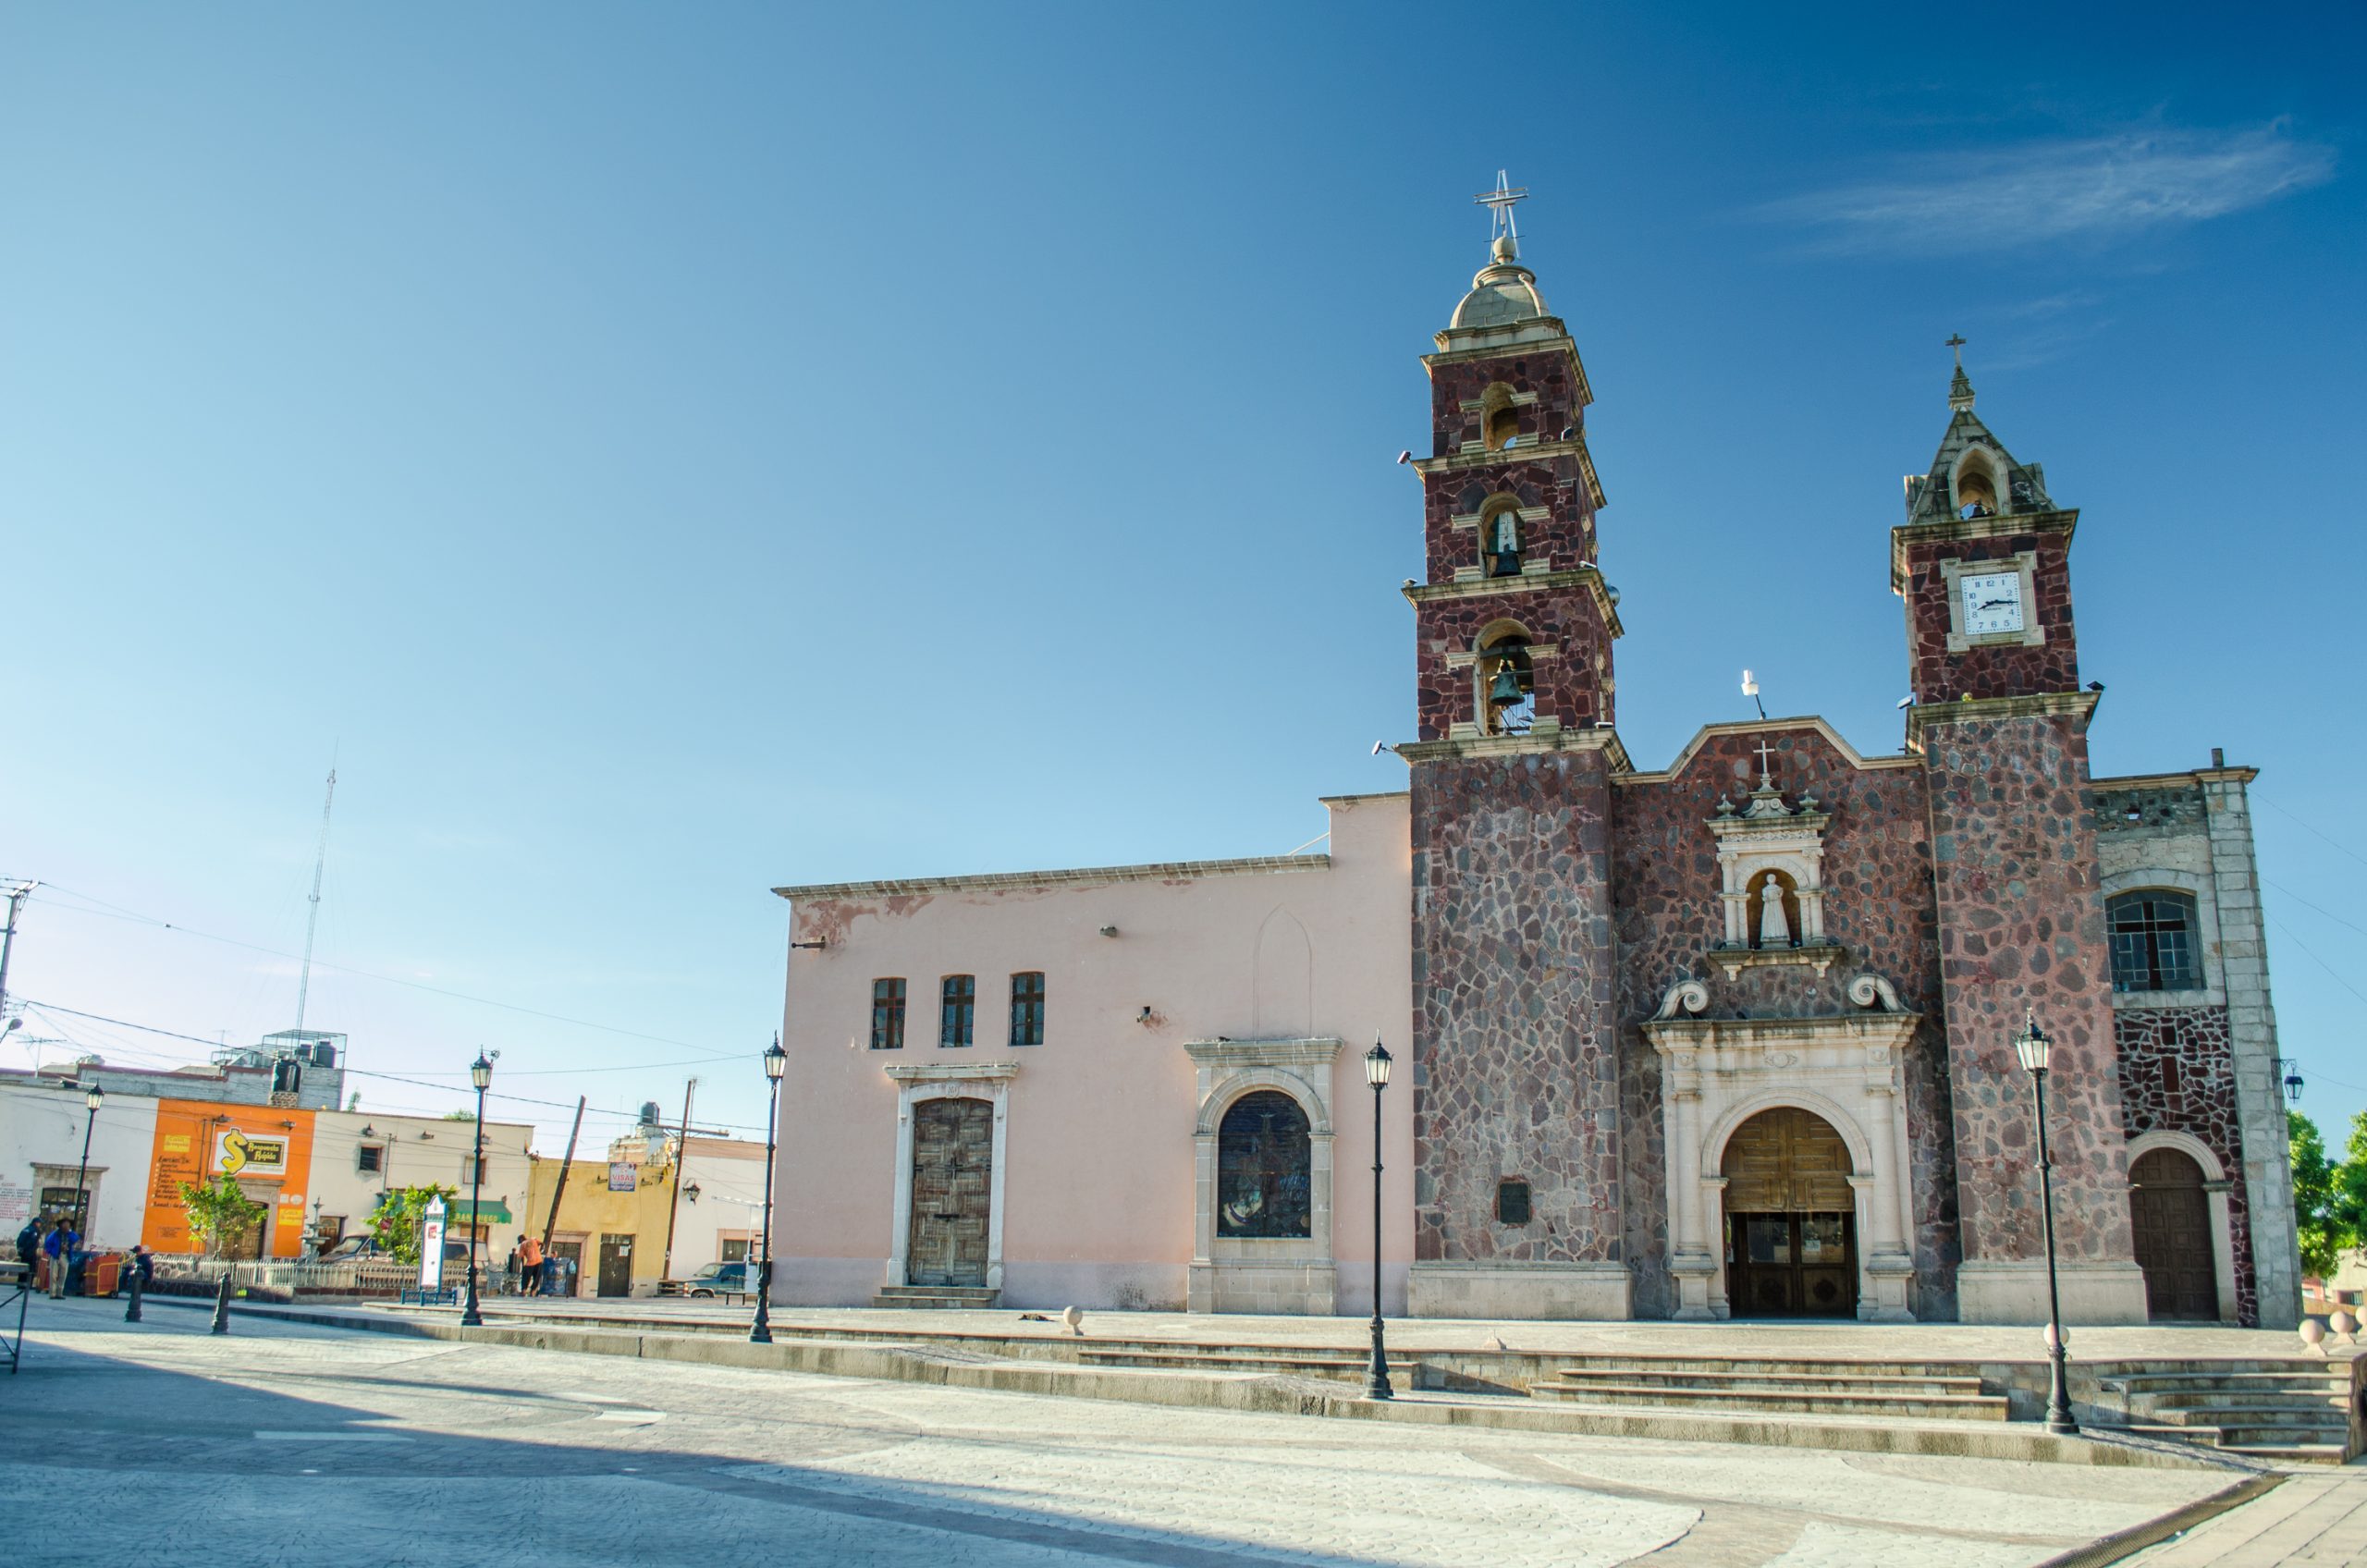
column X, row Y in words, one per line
column 2294, row 1411
column 1743, row 1394
column 937, row 1298
column 1749, row 1378
column 2280, row 1445
column 1313, row 1364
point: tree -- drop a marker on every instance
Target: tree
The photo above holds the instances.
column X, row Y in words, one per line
column 400, row 1213
column 2348, row 1200
column 2323, row 1234
column 218, row 1211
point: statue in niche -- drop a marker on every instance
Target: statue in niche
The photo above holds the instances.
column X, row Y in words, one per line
column 1774, row 931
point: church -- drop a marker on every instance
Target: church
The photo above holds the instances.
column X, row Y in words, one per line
column 1727, row 1035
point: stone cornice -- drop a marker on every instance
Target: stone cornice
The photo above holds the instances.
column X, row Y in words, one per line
column 2168, row 780
column 1709, row 732
column 1465, row 345
column 951, row 1072
column 1958, row 530
column 1853, row 1028
column 1162, row 871
column 1314, row 1051
column 1588, row 577
column 1605, row 740
column 1538, row 451
column 2080, row 706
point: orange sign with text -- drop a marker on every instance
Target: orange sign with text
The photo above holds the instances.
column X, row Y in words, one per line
column 266, row 1149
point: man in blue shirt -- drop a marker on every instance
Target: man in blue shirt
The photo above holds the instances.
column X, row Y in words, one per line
column 59, row 1247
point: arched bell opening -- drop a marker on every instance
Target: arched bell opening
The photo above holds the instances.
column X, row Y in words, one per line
column 1501, row 543
column 1791, row 1219
column 1498, row 420
column 1976, row 486
column 1507, row 682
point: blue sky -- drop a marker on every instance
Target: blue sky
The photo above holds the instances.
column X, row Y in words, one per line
column 660, row 454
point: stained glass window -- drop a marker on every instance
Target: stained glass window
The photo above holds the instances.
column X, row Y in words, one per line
column 1263, row 1164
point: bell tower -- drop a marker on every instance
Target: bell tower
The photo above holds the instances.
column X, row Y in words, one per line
column 1516, row 1081
column 1983, row 565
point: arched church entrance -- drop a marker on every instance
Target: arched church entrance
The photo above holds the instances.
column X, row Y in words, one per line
column 1791, row 1222
column 2170, row 1212
column 953, row 1152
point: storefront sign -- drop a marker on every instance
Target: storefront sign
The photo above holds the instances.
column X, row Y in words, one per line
column 621, row 1177
column 248, row 1154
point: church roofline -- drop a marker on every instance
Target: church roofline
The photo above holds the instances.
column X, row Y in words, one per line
column 1160, row 871
column 2160, row 781
column 1708, row 732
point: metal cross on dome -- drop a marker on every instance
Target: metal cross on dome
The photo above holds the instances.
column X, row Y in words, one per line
column 1499, row 203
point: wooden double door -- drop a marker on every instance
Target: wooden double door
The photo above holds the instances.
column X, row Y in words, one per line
column 2170, row 1214
column 1791, row 1219
column 953, row 1154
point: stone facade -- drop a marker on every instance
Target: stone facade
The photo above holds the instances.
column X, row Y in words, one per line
column 2178, row 1076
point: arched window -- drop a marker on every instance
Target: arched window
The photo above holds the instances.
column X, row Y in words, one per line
column 1500, row 542
column 1499, row 420
column 1507, row 685
column 1977, row 487
column 2153, row 946
column 1264, row 1168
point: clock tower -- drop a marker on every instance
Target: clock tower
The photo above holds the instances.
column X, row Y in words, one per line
column 1516, row 1111
column 1983, row 564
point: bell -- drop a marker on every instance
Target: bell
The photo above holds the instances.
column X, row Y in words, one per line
column 1504, row 690
column 1507, row 564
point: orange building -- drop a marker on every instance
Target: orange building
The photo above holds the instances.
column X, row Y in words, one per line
column 266, row 1149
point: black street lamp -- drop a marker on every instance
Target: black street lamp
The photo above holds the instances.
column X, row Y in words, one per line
column 1377, row 1062
column 481, row 1074
column 2036, row 1049
column 90, row 1096
column 776, row 1064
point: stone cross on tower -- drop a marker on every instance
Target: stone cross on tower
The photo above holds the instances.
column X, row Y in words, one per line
column 1766, row 772
column 1960, row 388
column 1499, row 203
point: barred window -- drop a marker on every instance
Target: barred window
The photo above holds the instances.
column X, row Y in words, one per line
column 370, row 1158
column 1027, row 1008
column 2154, row 944
column 888, row 1015
column 958, row 1010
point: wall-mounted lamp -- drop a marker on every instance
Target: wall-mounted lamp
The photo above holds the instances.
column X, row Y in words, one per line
column 691, row 1192
column 807, row 947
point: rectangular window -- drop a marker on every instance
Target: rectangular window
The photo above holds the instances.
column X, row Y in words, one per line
column 370, row 1158
column 469, row 1172
column 958, row 1015
column 1511, row 1203
column 1027, row 1008
column 59, row 1203
column 888, row 1015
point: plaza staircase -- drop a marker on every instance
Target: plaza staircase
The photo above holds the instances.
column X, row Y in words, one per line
column 938, row 1298
column 1278, row 1361
column 1905, row 1391
column 2286, row 1411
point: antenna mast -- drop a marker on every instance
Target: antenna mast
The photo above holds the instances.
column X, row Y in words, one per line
column 313, row 922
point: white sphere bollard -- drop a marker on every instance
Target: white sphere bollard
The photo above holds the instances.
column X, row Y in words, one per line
column 2313, row 1335
column 2344, row 1325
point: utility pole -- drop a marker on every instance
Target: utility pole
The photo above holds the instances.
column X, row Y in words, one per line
column 674, row 1199
column 17, row 895
column 565, row 1165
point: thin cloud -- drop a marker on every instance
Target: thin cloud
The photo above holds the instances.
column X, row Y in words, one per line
column 2045, row 192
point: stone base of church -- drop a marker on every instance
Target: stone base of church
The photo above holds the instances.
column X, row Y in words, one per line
column 2016, row 1292
column 1600, row 1290
column 1300, row 1288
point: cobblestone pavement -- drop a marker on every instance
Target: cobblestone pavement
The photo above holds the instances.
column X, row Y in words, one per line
column 2316, row 1517
column 282, row 1443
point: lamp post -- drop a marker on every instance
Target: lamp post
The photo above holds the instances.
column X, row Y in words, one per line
column 1377, row 1064
column 776, row 1064
column 481, row 1074
column 91, row 1097
column 2036, row 1048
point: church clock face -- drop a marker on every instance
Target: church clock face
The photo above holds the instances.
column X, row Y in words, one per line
column 1992, row 602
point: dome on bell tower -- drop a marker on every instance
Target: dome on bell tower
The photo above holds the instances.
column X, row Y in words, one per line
column 1503, row 293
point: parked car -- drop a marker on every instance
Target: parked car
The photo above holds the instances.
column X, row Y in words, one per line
column 455, row 1253
column 721, row 1279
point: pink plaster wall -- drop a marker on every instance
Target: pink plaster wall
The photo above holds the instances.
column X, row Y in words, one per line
column 1099, row 1162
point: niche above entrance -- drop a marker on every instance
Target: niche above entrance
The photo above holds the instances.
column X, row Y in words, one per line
column 1771, row 860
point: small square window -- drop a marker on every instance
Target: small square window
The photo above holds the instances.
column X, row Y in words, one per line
column 1511, row 1203
column 370, row 1158
column 1027, row 1008
column 888, row 1015
column 958, row 1012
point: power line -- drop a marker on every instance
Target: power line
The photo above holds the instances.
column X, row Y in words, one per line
column 116, row 911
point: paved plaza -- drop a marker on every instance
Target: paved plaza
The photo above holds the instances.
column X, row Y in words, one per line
column 286, row 1443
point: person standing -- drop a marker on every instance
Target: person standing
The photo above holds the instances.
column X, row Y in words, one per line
column 59, row 1250
column 530, row 1255
column 29, row 1242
